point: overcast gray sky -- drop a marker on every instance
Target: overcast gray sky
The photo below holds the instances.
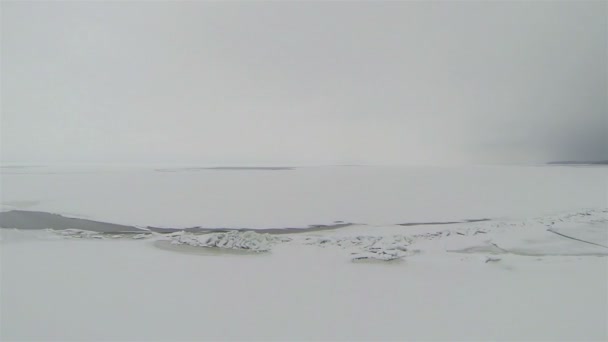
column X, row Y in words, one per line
column 309, row 82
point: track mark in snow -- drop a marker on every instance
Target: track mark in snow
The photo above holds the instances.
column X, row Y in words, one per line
column 573, row 238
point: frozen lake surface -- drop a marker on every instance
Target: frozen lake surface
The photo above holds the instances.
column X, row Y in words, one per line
column 283, row 197
column 402, row 263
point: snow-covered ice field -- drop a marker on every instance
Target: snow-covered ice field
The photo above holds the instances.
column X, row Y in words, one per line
column 536, row 270
column 186, row 196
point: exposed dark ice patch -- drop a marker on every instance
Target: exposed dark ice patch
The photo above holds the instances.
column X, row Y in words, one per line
column 312, row 228
column 22, row 219
column 442, row 222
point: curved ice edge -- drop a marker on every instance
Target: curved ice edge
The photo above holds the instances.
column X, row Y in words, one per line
column 25, row 219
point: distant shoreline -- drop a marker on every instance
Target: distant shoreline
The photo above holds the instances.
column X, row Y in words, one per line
column 571, row 162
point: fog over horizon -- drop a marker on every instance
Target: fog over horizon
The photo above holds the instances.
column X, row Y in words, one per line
column 304, row 82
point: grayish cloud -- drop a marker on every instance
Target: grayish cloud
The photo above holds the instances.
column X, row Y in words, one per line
column 321, row 82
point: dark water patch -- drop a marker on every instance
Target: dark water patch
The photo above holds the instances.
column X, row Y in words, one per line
column 310, row 229
column 441, row 222
column 22, row 219
column 173, row 230
column 275, row 231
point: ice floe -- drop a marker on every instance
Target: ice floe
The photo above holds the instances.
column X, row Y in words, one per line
column 367, row 247
column 248, row 240
column 580, row 233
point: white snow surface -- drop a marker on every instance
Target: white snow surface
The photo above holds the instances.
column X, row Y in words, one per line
column 496, row 280
column 537, row 271
column 143, row 196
